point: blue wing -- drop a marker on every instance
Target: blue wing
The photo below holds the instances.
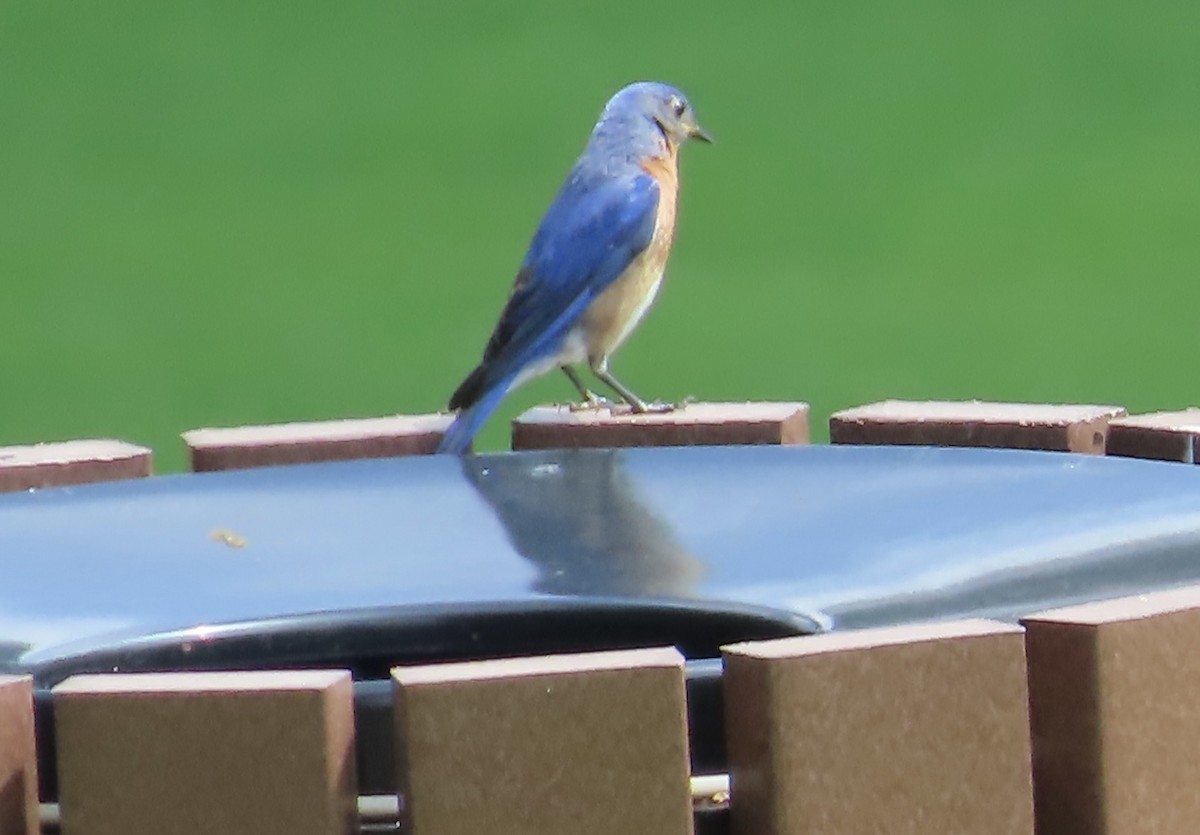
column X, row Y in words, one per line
column 595, row 227
column 586, row 240
column 591, row 232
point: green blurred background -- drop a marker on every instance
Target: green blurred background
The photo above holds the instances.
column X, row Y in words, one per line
column 220, row 213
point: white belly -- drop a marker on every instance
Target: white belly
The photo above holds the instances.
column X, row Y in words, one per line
column 572, row 352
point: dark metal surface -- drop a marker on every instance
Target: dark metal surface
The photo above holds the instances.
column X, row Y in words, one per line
column 417, row 558
column 370, row 563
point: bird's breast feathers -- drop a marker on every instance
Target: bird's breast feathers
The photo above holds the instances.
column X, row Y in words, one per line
column 618, row 309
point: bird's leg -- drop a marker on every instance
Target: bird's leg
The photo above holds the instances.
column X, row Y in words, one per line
column 637, row 404
column 591, row 400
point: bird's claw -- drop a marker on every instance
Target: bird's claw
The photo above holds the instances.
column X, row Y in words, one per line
column 592, row 401
column 658, row 407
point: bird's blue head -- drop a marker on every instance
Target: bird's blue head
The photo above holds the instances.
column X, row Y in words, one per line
column 655, row 109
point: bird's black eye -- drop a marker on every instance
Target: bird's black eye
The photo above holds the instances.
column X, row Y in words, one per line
column 678, row 106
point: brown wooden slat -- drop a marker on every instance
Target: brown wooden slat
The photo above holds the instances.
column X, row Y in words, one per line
column 910, row 730
column 153, row 753
column 244, row 447
column 694, row 424
column 587, row 744
column 71, row 462
column 1115, row 716
column 1058, row 428
column 1164, row 436
column 18, row 758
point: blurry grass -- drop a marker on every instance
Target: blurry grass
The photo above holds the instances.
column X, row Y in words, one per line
column 226, row 213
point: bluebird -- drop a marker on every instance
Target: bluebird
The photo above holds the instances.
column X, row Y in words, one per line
column 596, row 260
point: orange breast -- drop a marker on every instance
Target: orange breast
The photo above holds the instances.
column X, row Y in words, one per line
column 613, row 316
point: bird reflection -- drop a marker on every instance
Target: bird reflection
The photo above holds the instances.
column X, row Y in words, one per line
column 578, row 517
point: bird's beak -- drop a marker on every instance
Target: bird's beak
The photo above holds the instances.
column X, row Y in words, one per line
column 697, row 132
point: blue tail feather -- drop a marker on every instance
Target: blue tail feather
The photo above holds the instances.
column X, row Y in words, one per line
column 457, row 440
column 495, row 376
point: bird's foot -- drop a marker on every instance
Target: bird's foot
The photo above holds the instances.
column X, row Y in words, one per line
column 592, row 401
column 657, row 407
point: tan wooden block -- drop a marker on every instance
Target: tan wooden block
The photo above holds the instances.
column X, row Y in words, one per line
column 588, row 744
column 1115, row 717
column 916, row 729
column 244, row 447
column 1057, row 428
column 18, row 758
column 261, row 752
column 693, row 424
column 70, row 462
column 1164, row 436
